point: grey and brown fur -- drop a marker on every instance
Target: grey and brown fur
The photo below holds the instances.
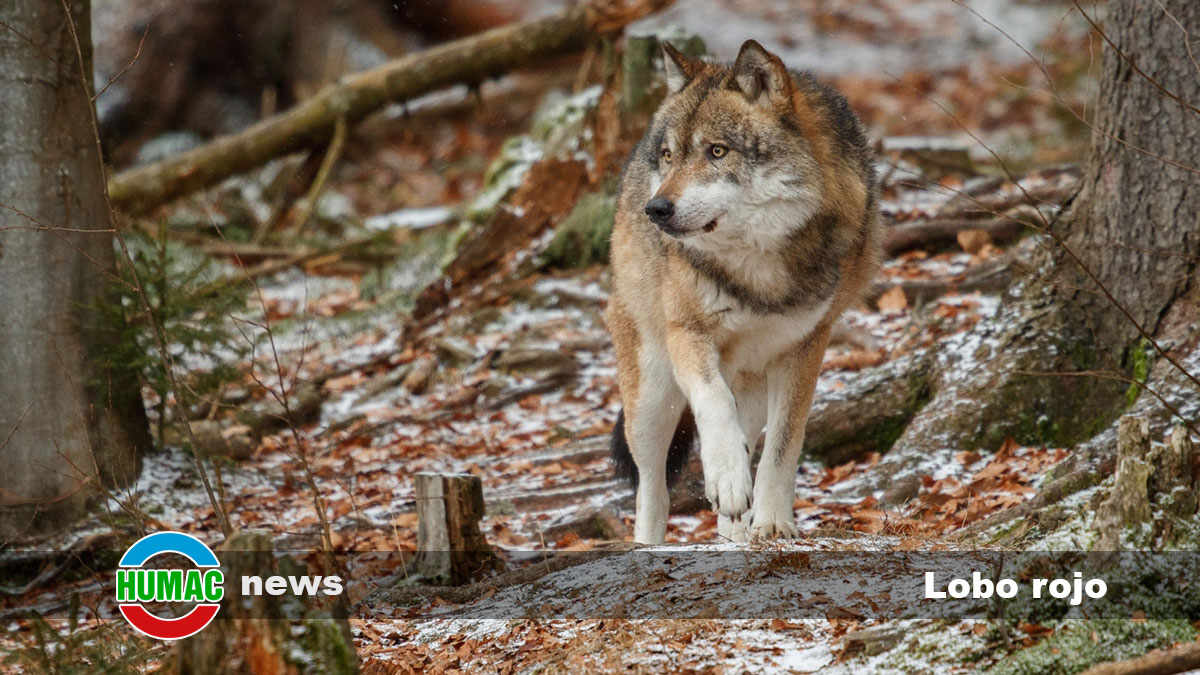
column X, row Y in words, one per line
column 746, row 223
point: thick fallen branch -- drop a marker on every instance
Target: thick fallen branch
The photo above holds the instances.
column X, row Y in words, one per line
column 270, row 267
column 1179, row 659
column 991, row 276
column 332, row 153
column 943, row 231
column 312, row 122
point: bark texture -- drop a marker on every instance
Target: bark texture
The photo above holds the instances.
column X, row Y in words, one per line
column 452, row 548
column 66, row 423
column 1052, row 366
column 1137, row 224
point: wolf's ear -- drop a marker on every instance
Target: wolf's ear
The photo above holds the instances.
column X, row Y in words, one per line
column 757, row 72
column 679, row 68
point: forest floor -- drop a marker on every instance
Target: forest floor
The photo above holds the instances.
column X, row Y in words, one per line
column 511, row 378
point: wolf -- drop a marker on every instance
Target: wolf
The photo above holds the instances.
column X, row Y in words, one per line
column 747, row 221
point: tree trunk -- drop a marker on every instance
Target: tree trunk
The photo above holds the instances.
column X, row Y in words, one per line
column 67, row 422
column 1052, row 366
column 1137, row 223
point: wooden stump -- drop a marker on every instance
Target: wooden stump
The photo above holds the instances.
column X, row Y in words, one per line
column 266, row 633
column 1128, row 504
column 1154, row 485
column 452, row 549
column 641, row 76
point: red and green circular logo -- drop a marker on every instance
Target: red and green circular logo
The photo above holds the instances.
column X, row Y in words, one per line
column 137, row 586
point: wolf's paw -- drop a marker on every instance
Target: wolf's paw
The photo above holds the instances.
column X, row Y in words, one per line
column 774, row 526
column 729, row 488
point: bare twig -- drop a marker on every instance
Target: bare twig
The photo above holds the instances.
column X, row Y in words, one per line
column 124, row 70
column 1058, row 97
column 1045, row 228
column 1118, row 377
column 318, row 185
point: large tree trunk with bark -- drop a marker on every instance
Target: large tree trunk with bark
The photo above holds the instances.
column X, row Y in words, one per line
column 1116, row 269
column 68, row 423
column 1135, row 225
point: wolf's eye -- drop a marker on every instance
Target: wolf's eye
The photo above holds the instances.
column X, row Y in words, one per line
column 666, row 155
column 717, row 151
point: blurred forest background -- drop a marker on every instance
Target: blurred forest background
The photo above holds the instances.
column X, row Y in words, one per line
column 290, row 255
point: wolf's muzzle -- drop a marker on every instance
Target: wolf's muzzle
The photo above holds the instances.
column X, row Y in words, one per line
column 661, row 211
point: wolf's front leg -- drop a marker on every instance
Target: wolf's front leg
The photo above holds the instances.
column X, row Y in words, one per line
column 750, row 392
column 724, row 451
column 651, row 415
column 791, row 381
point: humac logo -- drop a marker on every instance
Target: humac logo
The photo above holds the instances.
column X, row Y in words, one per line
column 137, row 586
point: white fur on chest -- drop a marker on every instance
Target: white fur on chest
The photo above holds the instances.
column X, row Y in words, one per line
column 750, row 340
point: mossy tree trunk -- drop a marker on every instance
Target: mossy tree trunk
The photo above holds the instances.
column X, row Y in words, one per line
column 68, row 422
column 1119, row 266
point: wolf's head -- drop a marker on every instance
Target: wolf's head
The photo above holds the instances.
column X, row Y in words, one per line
column 732, row 153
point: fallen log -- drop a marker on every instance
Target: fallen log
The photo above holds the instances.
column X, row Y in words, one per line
column 1180, row 659
column 990, row 276
column 470, row 60
column 944, row 231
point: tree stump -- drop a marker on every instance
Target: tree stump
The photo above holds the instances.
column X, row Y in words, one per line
column 266, row 633
column 1175, row 476
column 640, row 65
column 1154, row 485
column 452, row 549
column 1128, row 504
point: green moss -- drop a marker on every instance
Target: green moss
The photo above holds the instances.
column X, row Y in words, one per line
column 583, row 236
column 1050, row 410
column 503, row 175
column 1079, row 644
column 930, row 647
column 886, row 433
column 322, row 645
column 1139, row 361
column 641, row 68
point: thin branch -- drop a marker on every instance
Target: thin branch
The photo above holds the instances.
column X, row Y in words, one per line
column 1187, row 36
column 318, row 185
column 129, row 65
column 1058, row 97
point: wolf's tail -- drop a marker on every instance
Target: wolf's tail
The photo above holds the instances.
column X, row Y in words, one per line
column 677, row 452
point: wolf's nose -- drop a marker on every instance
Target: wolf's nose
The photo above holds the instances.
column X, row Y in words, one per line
column 660, row 210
